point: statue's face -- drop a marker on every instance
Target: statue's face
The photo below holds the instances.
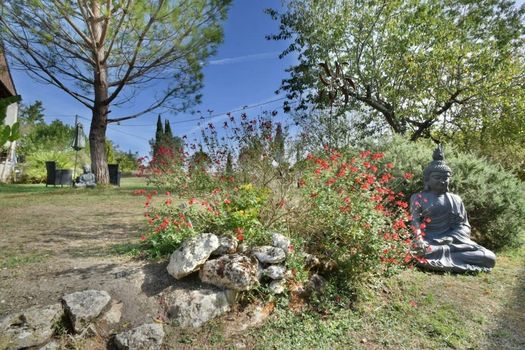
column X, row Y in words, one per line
column 438, row 182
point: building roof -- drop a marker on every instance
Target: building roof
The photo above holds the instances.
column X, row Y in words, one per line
column 7, row 88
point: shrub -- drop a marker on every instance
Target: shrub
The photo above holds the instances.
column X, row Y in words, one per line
column 357, row 217
column 494, row 198
column 225, row 211
column 35, row 165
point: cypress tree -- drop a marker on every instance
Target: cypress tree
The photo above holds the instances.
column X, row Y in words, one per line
column 167, row 130
column 159, row 135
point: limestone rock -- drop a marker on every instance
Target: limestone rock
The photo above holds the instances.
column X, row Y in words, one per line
column 275, row 272
column 52, row 345
column 146, row 337
column 280, row 241
column 31, row 327
column 192, row 254
column 269, row 254
column 235, row 271
column 227, row 245
column 82, row 307
column 192, row 308
column 277, row 286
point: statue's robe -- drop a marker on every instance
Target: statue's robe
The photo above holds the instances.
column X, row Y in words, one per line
column 444, row 223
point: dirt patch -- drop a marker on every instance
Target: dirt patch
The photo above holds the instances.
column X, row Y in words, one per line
column 53, row 244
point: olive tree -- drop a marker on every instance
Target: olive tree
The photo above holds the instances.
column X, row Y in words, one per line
column 424, row 68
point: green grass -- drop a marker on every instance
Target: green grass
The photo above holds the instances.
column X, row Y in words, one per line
column 126, row 183
column 12, row 261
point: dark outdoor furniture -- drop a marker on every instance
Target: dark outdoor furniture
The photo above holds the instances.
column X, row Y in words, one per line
column 114, row 174
column 58, row 176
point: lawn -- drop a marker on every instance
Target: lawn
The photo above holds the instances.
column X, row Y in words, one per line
column 58, row 240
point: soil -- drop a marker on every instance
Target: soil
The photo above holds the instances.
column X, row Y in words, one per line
column 67, row 240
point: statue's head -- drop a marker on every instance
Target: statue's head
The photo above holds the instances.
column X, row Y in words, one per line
column 437, row 174
column 87, row 168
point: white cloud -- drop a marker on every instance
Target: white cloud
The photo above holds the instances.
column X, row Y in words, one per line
column 247, row 58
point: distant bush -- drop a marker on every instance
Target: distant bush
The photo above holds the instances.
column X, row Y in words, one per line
column 494, row 198
column 34, row 168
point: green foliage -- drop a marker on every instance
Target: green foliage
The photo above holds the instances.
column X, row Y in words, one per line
column 234, row 212
column 355, row 216
column 426, row 68
column 55, row 136
column 35, row 165
column 494, row 198
column 8, row 133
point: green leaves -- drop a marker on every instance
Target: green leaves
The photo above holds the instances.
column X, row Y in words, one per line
column 420, row 67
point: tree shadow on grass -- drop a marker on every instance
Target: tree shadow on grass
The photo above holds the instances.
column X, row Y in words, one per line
column 510, row 331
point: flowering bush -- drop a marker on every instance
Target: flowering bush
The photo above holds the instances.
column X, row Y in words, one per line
column 357, row 217
column 235, row 211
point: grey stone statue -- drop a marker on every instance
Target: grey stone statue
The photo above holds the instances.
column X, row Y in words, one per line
column 87, row 179
column 441, row 227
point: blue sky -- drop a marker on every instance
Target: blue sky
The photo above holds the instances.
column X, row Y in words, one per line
column 245, row 72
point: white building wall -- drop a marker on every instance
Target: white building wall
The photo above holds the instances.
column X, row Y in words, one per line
column 6, row 167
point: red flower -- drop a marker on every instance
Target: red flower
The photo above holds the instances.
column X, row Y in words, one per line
column 364, row 154
column 142, row 237
column 239, row 232
column 390, row 165
column 168, row 201
column 412, row 303
column 227, row 201
column 408, row 176
column 330, row 181
column 402, row 204
column 377, row 155
column 168, row 193
column 192, row 201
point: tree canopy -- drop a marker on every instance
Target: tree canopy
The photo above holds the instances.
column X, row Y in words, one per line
column 422, row 68
column 108, row 53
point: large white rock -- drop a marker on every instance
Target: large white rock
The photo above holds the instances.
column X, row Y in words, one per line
column 280, row 241
column 30, row 327
column 192, row 308
column 82, row 307
column 235, row 271
column 146, row 337
column 192, row 254
column 269, row 255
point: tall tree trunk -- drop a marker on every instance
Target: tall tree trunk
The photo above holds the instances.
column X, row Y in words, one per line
column 97, row 133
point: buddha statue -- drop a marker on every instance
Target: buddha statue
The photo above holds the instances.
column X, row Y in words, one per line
column 87, row 179
column 441, row 227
